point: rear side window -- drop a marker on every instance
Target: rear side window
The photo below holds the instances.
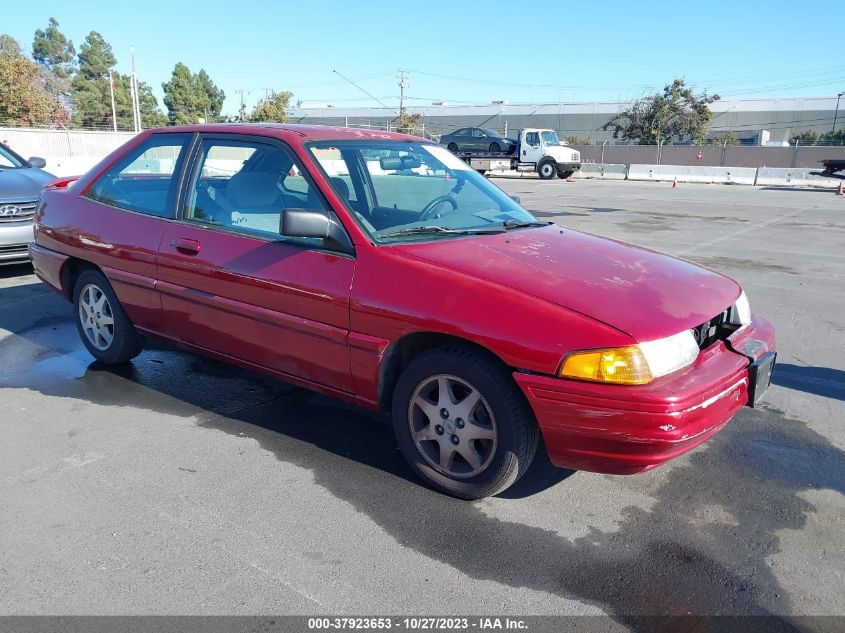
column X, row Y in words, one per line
column 145, row 180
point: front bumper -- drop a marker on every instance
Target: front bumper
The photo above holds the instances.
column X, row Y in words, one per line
column 568, row 166
column 630, row 429
column 14, row 242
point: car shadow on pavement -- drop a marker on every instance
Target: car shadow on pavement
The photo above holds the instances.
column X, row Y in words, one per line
column 15, row 270
column 821, row 381
column 702, row 546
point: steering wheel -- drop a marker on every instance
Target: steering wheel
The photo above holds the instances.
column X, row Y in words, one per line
column 428, row 210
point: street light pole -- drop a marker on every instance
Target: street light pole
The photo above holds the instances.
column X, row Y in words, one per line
column 836, row 112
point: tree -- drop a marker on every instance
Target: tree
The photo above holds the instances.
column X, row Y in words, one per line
column 90, row 86
column 676, row 113
column 95, row 57
column 833, row 138
column 9, row 46
column 577, row 140
column 151, row 114
column 728, row 139
column 52, row 50
column 272, row 108
column 190, row 97
column 409, row 123
column 92, row 94
column 808, row 137
column 213, row 96
column 24, row 97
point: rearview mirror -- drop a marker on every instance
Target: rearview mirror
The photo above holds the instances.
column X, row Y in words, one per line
column 391, row 163
column 315, row 223
column 37, row 161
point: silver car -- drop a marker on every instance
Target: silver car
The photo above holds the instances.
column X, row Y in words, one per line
column 21, row 182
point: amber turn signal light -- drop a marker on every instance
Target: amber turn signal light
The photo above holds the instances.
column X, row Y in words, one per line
column 618, row 365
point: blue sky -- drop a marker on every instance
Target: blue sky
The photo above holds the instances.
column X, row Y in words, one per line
column 464, row 52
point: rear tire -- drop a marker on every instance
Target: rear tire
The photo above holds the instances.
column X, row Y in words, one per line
column 547, row 170
column 103, row 326
column 495, row 148
column 462, row 424
column 452, row 147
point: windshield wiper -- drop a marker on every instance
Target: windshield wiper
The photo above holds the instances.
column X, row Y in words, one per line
column 516, row 224
column 438, row 230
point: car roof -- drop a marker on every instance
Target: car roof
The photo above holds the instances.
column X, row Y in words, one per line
column 304, row 132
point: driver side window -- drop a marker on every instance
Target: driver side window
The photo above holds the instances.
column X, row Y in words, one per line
column 246, row 186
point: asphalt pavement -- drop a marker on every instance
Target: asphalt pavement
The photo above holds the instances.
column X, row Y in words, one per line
column 178, row 485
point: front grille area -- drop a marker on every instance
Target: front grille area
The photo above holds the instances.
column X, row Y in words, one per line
column 14, row 253
column 717, row 328
column 17, row 211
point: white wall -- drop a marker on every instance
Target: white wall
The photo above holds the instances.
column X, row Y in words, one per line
column 67, row 152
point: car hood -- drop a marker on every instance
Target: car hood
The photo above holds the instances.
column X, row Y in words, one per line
column 21, row 184
column 644, row 294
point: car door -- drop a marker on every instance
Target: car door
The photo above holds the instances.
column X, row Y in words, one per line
column 479, row 140
column 121, row 217
column 231, row 284
column 531, row 150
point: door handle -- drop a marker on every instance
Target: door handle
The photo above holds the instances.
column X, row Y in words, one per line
column 184, row 245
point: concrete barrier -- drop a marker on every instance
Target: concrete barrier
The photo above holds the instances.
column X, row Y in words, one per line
column 690, row 173
column 784, row 177
column 70, row 165
column 606, row 171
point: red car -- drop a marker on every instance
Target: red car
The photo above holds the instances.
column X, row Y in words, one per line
column 380, row 269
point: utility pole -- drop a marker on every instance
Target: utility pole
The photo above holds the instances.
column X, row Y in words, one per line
column 242, row 109
column 403, row 85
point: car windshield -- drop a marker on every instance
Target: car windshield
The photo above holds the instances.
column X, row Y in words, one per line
column 399, row 190
column 8, row 160
column 550, row 138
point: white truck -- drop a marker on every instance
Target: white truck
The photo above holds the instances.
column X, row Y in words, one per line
column 536, row 150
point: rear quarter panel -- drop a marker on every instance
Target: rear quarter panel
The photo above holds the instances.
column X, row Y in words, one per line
column 121, row 243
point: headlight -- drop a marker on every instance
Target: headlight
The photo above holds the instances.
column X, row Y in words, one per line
column 634, row 364
column 741, row 311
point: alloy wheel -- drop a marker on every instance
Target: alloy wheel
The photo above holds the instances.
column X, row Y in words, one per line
column 452, row 426
column 96, row 317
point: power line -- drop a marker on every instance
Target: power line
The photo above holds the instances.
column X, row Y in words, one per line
column 376, row 99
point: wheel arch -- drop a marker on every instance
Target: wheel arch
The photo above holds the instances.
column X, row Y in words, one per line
column 401, row 352
column 71, row 270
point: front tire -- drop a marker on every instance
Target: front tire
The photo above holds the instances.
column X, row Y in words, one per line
column 495, row 148
column 547, row 170
column 103, row 326
column 462, row 424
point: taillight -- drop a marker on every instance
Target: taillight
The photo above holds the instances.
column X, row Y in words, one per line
column 62, row 183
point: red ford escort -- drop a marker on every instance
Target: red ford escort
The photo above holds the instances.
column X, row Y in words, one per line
column 380, row 269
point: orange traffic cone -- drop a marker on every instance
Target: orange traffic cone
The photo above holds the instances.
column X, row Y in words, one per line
column 839, row 191
column 674, row 183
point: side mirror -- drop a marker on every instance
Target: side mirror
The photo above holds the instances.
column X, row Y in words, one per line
column 516, row 199
column 315, row 223
column 37, row 161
